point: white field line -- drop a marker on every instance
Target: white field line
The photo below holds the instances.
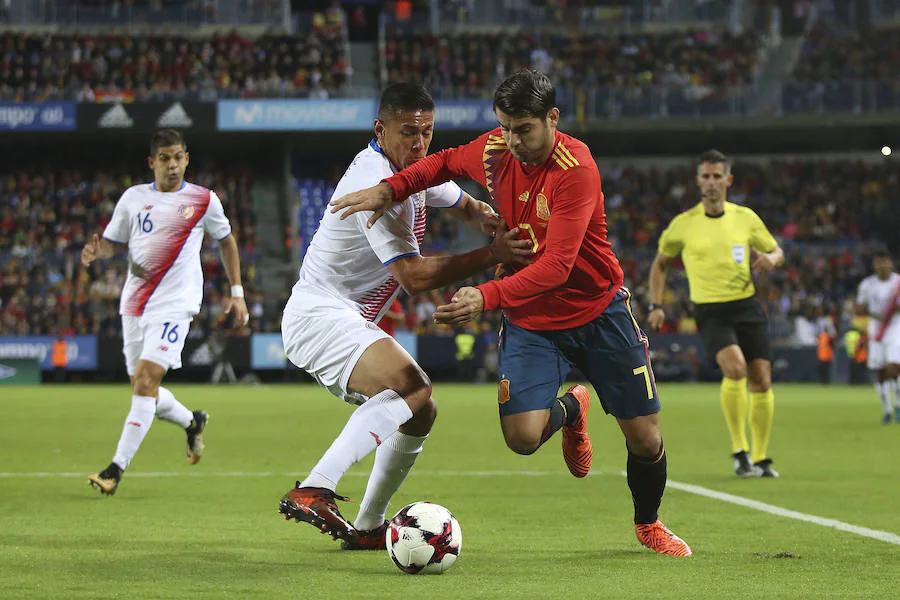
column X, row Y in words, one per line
column 875, row 534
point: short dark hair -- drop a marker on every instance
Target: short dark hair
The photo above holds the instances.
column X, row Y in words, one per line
column 526, row 93
column 717, row 158
column 399, row 97
column 166, row 137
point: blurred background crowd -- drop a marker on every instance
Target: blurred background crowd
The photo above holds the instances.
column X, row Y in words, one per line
column 611, row 60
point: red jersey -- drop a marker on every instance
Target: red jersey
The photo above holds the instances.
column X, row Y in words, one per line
column 558, row 205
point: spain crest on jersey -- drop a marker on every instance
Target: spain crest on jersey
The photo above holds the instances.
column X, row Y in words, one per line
column 543, row 208
column 185, row 211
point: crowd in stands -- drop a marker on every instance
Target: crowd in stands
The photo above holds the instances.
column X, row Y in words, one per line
column 472, row 64
column 829, row 55
column 45, row 219
column 86, row 68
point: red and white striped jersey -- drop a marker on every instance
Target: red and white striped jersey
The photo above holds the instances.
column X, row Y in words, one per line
column 164, row 232
column 348, row 260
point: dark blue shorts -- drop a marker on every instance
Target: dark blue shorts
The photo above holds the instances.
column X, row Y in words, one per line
column 611, row 351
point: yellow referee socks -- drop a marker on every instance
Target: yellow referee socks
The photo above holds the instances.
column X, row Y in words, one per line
column 762, row 409
column 734, row 405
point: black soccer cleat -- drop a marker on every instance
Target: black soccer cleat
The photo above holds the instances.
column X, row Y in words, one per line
column 743, row 468
column 194, row 449
column 765, row 468
column 107, row 480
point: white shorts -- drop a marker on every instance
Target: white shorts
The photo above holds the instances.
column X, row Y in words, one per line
column 327, row 340
column 159, row 342
column 887, row 351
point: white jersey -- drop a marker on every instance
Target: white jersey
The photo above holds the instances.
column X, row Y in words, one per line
column 875, row 294
column 348, row 260
column 164, row 232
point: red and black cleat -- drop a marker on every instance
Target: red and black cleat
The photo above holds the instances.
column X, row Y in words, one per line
column 369, row 539
column 317, row 507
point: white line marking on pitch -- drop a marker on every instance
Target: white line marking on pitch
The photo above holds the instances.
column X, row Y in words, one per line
column 875, row 534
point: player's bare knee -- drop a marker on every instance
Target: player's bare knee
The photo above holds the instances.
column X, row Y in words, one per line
column 522, row 443
column 735, row 369
column 145, row 385
column 421, row 422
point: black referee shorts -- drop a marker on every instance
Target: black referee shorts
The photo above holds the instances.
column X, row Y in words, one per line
column 740, row 322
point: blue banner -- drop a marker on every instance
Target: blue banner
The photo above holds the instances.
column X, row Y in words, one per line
column 465, row 114
column 295, row 115
column 37, row 116
column 81, row 350
column 267, row 351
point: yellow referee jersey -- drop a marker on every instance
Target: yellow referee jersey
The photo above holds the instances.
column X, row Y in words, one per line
column 716, row 250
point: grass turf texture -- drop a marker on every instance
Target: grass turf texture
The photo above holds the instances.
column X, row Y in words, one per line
column 530, row 530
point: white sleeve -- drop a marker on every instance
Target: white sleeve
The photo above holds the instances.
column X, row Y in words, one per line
column 446, row 195
column 215, row 223
column 393, row 235
column 119, row 228
column 862, row 295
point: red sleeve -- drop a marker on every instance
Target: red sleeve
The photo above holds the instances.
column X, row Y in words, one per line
column 574, row 202
column 435, row 169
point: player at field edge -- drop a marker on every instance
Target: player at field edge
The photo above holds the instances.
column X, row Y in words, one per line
column 349, row 277
column 162, row 225
column 568, row 308
column 877, row 298
column 718, row 240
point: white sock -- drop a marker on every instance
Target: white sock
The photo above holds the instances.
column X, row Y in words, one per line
column 896, row 386
column 884, row 392
column 376, row 420
column 137, row 424
column 170, row 409
column 393, row 460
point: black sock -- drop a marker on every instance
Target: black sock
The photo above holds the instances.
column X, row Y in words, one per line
column 647, row 481
column 113, row 471
column 563, row 412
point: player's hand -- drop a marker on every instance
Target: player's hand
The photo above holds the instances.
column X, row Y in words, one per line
column 762, row 262
column 507, row 249
column 89, row 252
column 656, row 318
column 490, row 221
column 237, row 308
column 377, row 199
column 465, row 305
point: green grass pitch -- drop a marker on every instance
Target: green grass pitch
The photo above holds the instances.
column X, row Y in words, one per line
column 530, row 529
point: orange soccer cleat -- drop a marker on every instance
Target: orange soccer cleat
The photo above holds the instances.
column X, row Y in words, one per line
column 576, row 443
column 657, row 536
column 317, row 507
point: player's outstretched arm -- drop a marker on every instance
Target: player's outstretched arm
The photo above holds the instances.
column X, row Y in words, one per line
column 98, row 248
column 376, row 199
column 658, row 270
column 235, row 305
column 422, row 273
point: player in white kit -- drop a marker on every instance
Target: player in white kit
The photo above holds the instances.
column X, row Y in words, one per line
column 877, row 298
column 349, row 277
column 162, row 224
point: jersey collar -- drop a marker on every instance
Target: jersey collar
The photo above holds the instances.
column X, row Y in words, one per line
column 183, row 185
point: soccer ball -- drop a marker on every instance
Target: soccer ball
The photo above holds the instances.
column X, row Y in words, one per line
column 423, row 538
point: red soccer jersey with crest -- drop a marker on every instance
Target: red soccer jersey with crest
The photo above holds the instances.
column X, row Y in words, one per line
column 558, row 206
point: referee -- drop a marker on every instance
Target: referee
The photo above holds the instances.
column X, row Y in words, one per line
column 717, row 241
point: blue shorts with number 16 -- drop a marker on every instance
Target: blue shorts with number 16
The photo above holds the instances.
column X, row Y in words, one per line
column 611, row 351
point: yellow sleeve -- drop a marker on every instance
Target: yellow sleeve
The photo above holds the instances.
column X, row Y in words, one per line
column 671, row 242
column 760, row 238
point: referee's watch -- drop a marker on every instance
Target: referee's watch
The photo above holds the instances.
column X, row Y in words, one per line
column 651, row 307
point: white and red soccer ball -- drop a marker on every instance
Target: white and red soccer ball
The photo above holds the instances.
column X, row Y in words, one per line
column 423, row 538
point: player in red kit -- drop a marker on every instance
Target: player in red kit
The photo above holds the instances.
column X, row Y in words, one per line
column 567, row 308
